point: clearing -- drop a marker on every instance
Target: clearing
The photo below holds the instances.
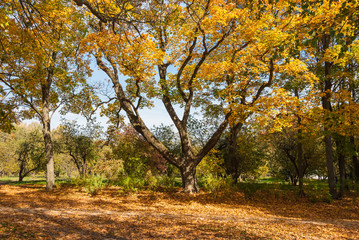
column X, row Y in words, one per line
column 29, row 212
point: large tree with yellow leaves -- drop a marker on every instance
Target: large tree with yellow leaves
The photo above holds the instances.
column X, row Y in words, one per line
column 40, row 70
column 215, row 55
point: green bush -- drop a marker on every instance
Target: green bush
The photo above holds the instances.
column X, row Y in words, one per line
column 162, row 183
column 217, row 184
column 318, row 193
column 130, row 183
column 156, row 183
column 250, row 188
column 90, row 184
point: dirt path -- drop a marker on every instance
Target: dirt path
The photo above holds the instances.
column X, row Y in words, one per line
column 31, row 213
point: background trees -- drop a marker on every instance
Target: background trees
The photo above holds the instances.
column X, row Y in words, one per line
column 80, row 144
column 22, row 151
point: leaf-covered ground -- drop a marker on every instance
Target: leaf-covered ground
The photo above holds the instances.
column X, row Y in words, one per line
column 29, row 212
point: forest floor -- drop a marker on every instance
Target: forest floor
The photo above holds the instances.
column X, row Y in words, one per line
column 29, row 212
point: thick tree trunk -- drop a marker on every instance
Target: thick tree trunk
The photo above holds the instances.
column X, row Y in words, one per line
column 189, row 179
column 232, row 158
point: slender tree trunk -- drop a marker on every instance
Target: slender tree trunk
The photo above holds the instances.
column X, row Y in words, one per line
column 50, row 171
column 355, row 159
column 21, row 172
column 330, row 165
column 301, row 167
column 326, row 104
column 46, row 120
column 84, row 169
column 354, row 156
column 341, row 162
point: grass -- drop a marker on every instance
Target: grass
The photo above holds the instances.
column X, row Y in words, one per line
column 268, row 188
column 39, row 179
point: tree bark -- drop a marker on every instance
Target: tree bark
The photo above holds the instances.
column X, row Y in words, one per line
column 189, row 178
column 330, row 165
column 326, row 104
column 341, row 160
column 301, row 167
column 46, row 120
column 232, row 158
column 301, row 164
column 355, row 159
column 21, row 172
column 341, row 163
column 354, row 156
column 50, row 171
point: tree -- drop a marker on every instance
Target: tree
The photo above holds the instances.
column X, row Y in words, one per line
column 249, row 154
column 40, row 68
column 22, row 151
column 30, row 150
column 8, row 162
column 137, row 155
column 184, row 44
column 80, row 144
column 330, row 30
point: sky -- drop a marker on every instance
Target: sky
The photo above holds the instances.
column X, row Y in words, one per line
column 152, row 117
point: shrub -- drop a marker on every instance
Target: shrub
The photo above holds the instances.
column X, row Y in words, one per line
column 217, row 184
column 91, row 184
column 162, row 183
column 130, row 183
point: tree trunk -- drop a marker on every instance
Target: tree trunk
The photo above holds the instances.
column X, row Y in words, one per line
column 50, row 171
column 84, row 169
column 330, row 165
column 355, row 159
column 326, row 104
column 21, row 175
column 341, row 162
column 189, row 179
column 301, row 167
column 22, row 170
column 46, row 129
column 232, row 158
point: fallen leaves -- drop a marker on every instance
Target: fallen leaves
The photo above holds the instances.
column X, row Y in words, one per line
column 29, row 212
